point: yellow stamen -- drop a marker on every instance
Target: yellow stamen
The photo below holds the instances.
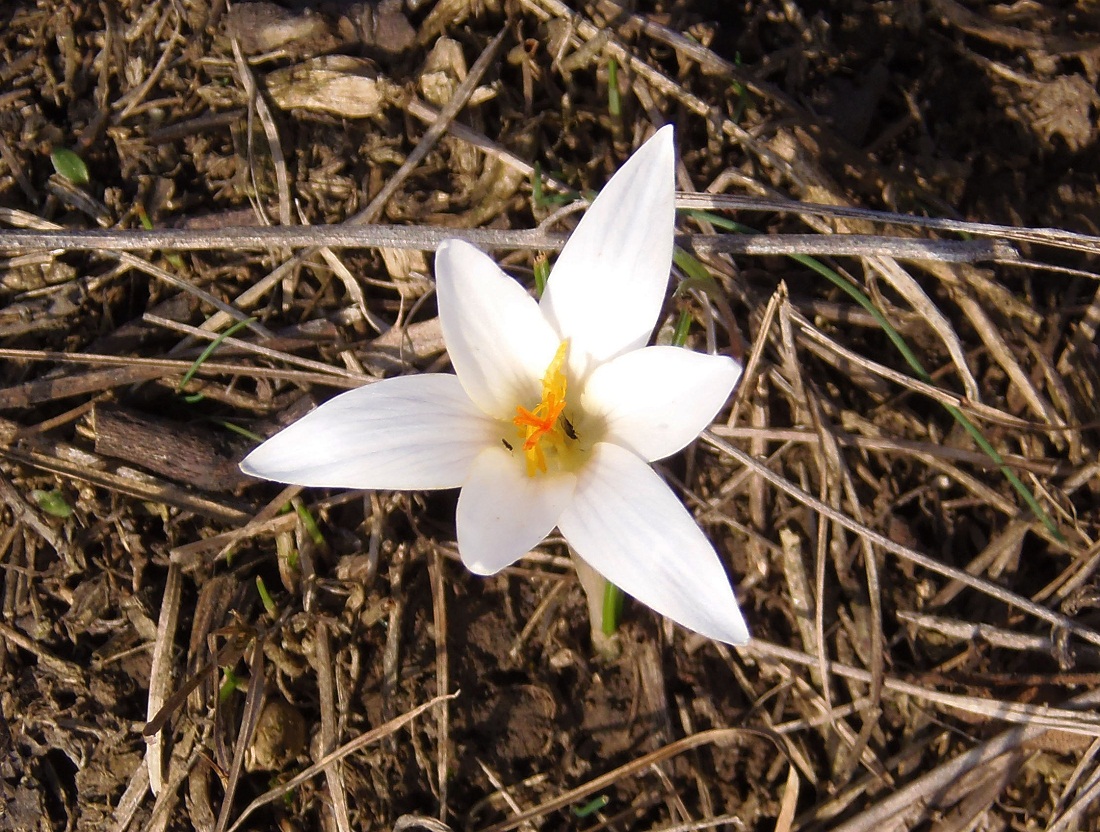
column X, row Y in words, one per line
column 542, row 423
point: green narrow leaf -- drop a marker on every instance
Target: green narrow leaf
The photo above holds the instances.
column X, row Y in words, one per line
column 52, row 502
column 612, row 608
column 593, row 805
column 147, row 224
column 312, row 529
column 537, row 195
column 742, row 94
column 245, row 432
column 614, row 102
column 911, row 359
column 683, row 327
column 541, row 199
column 213, row 345
column 68, row 164
column 542, row 274
column 230, row 682
column 690, row 265
column 265, row 597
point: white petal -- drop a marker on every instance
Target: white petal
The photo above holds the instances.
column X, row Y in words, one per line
column 503, row 513
column 657, row 399
column 499, row 341
column 606, row 289
column 629, row 526
column 411, row 432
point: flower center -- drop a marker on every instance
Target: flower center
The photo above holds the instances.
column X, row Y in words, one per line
column 545, row 427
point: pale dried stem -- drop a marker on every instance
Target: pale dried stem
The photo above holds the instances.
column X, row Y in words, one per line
column 442, row 678
column 330, row 376
column 903, row 552
column 430, row 237
column 1086, row 723
column 926, row 787
column 325, row 669
column 256, row 349
column 258, row 105
column 762, row 434
column 918, row 299
column 809, row 334
column 160, row 673
column 1053, row 237
column 253, row 706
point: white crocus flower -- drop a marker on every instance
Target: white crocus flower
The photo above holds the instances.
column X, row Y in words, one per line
column 554, row 413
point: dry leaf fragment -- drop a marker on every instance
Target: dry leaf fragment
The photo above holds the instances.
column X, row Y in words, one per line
column 408, row 269
column 338, row 84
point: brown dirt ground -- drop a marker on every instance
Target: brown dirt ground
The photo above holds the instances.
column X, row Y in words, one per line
column 112, row 478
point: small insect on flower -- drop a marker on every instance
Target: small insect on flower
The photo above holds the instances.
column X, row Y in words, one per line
column 554, row 413
column 567, row 426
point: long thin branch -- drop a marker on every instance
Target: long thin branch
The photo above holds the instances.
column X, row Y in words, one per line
column 1045, row 236
column 429, row 238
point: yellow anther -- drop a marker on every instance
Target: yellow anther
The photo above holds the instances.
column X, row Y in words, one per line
column 541, row 424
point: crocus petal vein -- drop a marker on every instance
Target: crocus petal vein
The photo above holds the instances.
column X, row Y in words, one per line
column 631, row 528
column 606, row 289
column 497, row 337
column 411, row 432
column 656, row 400
column 503, row 513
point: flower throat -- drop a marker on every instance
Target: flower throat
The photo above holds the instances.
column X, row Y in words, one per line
column 546, row 426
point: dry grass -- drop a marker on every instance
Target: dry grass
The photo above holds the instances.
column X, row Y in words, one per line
column 926, row 654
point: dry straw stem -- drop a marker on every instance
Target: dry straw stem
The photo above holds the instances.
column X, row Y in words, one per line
column 160, row 674
column 1085, row 723
column 253, row 705
column 442, row 677
column 904, row 552
column 1052, row 237
column 325, row 668
column 917, row 796
column 257, row 106
column 764, row 434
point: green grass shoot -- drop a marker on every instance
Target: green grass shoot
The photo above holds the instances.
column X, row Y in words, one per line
column 235, row 428
column 591, row 807
column 147, row 224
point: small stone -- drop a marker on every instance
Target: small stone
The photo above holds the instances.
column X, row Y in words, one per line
column 280, row 736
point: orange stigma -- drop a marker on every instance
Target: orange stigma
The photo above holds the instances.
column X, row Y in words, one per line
column 541, row 425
